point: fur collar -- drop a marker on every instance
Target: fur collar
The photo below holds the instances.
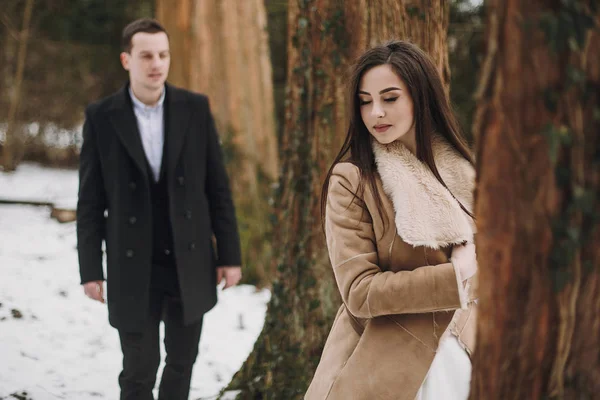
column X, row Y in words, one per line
column 426, row 214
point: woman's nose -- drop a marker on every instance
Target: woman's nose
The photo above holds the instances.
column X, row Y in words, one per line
column 377, row 111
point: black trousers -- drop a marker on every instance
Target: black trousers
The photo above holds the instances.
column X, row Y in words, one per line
column 141, row 350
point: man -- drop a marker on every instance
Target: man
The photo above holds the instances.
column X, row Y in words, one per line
column 154, row 188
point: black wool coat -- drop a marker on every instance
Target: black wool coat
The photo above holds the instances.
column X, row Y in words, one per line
column 114, row 205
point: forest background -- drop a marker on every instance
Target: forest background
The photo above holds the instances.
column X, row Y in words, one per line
column 523, row 77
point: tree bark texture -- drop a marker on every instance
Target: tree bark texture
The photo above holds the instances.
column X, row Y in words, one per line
column 13, row 143
column 537, row 207
column 423, row 22
column 221, row 48
column 324, row 37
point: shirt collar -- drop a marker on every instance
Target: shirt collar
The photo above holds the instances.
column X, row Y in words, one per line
column 139, row 105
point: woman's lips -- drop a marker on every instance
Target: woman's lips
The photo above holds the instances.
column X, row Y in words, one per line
column 382, row 128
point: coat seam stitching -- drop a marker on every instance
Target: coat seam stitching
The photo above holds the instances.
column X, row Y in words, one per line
column 411, row 334
column 352, row 258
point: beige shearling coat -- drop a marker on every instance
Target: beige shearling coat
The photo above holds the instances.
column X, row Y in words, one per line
column 400, row 291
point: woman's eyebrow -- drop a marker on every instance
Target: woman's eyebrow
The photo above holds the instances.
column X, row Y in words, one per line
column 381, row 92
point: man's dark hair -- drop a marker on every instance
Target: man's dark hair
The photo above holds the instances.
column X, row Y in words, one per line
column 146, row 25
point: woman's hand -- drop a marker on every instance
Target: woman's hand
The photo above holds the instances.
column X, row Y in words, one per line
column 464, row 258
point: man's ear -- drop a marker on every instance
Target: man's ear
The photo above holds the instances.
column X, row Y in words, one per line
column 125, row 60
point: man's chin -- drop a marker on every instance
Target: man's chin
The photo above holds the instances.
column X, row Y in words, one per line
column 155, row 85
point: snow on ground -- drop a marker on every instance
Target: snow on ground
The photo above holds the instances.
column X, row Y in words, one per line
column 32, row 182
column 57, row 344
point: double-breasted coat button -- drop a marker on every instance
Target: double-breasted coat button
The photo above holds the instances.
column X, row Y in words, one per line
column 192, row 246
column 132, row 185
column 188, row 214
column 129, row 253
column 180, row 180
column 132, row 220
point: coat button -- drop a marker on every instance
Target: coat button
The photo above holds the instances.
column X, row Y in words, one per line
column 188, row 214
column 167, row 252
column 129, row 253
column 132, row 220
column 192, row 246
column 180, row 180
column 132, row 185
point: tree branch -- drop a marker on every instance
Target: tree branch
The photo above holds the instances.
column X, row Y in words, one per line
column 5, row 20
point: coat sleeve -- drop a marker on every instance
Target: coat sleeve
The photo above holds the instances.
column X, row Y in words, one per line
column 218, row 192
column 366, row 290
column 91, row 205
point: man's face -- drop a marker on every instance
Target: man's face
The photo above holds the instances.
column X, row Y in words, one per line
column 149, row 60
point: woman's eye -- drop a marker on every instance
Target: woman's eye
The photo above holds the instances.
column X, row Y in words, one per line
column 364, row 102
column 391, row 99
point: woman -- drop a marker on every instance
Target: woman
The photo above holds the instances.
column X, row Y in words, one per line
column 397, row 203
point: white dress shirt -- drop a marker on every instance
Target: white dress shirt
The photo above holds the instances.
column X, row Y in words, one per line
column 150, row 121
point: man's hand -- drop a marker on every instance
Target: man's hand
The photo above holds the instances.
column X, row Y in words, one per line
column 232, row 275
column 94, row 290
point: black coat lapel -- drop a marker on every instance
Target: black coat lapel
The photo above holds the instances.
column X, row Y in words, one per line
column 125, row 124
column 178, row 116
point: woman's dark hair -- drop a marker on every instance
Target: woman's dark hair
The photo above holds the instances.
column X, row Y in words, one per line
column 146, row 25
column 432, row 113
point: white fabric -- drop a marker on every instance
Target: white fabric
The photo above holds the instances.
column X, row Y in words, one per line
column 150, row 123
column 449, row 377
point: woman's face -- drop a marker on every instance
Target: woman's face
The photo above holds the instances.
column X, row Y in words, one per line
column 386, row 107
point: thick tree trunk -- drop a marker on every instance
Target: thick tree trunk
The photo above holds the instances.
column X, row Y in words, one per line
column 324, row 37
column 423, row 22
column 13, row 143
column 537, row 205
column 221, row 48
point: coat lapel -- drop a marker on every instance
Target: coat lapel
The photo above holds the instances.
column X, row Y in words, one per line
column 426, row 213
column 124, row 122
column 176, row 124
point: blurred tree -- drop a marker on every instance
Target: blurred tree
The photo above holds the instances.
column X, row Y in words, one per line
column 277, row 26
column 72, row 60
column 11, row 144
column 324, row 37
column 466, row 50
column 538, row 207
column 221, row 48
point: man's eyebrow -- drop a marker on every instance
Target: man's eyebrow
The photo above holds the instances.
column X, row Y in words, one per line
column 144, row 52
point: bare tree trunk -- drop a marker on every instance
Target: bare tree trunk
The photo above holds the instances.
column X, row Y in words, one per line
column 423, row 22
column 537, row 205
column 324, row 37
column 220, row 47
column 13, row 142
